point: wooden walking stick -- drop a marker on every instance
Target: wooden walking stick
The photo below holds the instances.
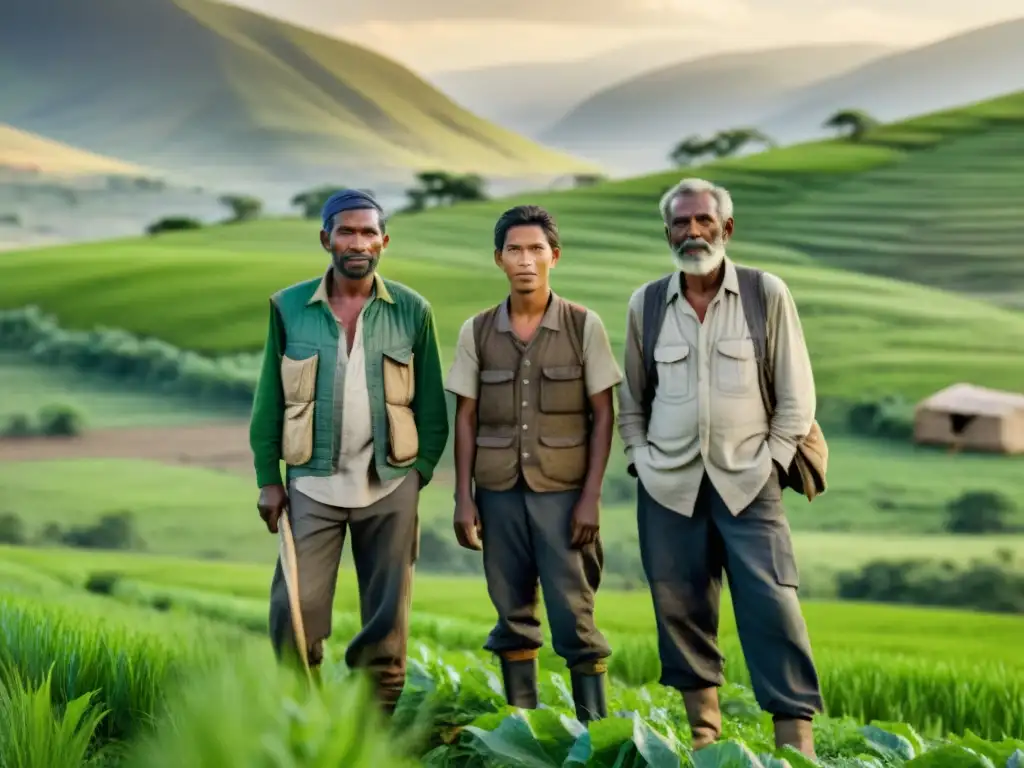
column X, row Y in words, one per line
column 290, row 568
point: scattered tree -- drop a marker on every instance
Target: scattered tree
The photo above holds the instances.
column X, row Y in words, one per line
column 439, row 188
column 312, row 201
column 722, row 144
column 12, row 529
column 243, row 207
column 853, row 123
column 173, row 224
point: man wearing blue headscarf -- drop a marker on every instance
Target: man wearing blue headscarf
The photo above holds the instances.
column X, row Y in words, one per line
column 351, row 399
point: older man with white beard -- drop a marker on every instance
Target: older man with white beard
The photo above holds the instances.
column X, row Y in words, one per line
column 711, row 463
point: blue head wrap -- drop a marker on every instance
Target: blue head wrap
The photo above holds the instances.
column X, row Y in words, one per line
column 348, row 200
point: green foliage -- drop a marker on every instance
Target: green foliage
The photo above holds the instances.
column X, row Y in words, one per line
column 125, row 358
column 439, row 189
column 53, row 420
column 176, row 691
column 243, row 207
column 173, row 224
column 984, row 586
column 33, row 734
column 312, row 201
column 980, row 512
column 12, row 529
column 721, row 145
column 891, row 418
column 116, row 531
column 854, row 123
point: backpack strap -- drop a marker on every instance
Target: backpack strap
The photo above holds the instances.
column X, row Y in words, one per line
column 755, row 309
column 655, row 307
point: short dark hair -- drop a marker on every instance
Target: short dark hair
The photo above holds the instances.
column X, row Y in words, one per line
column 383, row 222
column 526, row 216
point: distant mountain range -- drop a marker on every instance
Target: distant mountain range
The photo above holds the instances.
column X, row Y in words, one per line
column 632, row 126
column 224, row 95
column 529, row 98
column 970, row 67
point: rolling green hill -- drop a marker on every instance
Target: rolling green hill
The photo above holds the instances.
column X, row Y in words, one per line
column 820, row 215
column 218, row 92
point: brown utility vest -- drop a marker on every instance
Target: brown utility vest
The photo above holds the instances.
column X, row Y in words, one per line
column 533, row 413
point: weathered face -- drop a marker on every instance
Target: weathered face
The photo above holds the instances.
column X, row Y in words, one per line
column 696, row 234
column 527, row 258
column 355, row 243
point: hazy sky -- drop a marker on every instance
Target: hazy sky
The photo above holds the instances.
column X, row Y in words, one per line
column 433, row 35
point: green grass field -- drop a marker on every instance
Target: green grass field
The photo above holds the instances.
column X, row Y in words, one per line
column 842, row 534
column 25, row 387
column 868, row 335
column 165, row 617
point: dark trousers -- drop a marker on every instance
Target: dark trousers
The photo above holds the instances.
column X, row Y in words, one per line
column 384, row 547
column 684, row 557
column 526, row 538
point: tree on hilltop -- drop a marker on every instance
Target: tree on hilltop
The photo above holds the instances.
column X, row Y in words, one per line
column 243, row 207
column 440, row 188
column 854, row 123
column 722, row 144
column 312, row 200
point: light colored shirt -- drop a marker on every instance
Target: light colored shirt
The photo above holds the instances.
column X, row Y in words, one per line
column 600, row 369
column 351, row 486
column 707, row 414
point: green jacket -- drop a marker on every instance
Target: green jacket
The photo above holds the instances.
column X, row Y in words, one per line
column 302, row 426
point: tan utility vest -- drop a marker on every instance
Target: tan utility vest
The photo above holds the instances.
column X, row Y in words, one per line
column 533, row 414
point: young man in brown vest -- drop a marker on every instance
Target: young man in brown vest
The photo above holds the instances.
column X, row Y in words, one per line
column 534, row 378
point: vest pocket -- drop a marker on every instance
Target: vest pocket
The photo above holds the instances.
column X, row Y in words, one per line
column 562, row 389
column 563, row 458
column 497, row 462
column 497, row 397
column 399, row 390
column 298, row 384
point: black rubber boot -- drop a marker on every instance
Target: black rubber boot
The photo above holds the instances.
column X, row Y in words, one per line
column 520, row 679
column 588, row 691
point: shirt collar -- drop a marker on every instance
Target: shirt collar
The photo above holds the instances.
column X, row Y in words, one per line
column 551, row 321
column 379, row 291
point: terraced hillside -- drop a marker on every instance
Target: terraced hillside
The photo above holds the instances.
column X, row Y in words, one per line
column 215, row 91
column 798, row 213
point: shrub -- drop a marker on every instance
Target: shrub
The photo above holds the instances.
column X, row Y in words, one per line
column 125, row 357
column 115, row 531
column 995, row 586
column 12, row 529
column 54, row 420
column 18, row 425
column 980, row 512
column 103, row 582
column 891, row 418
column 173, row 224
column 61, row 420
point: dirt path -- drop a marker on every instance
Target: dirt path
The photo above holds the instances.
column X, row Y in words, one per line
column 224, row 447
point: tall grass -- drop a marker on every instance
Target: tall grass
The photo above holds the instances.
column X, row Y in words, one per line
column 936, row 697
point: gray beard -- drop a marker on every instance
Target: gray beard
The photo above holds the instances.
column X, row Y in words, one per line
column 703, row 263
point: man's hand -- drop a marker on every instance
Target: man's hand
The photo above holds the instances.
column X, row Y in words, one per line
column 467, row 524
column 585, row 521
column 272, row 504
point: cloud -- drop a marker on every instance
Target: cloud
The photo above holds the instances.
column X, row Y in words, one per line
column 640, row 13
